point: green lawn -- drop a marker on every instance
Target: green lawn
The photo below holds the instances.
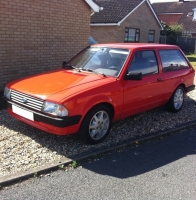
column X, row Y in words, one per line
column 192, row 59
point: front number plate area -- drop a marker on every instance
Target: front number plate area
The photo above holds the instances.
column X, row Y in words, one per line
column 23, row 113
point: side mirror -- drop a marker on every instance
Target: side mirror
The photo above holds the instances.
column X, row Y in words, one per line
column 133, row 76
column 64, row 64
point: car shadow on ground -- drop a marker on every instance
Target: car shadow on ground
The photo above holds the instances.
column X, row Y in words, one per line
column 23, row 136
column 146, row 157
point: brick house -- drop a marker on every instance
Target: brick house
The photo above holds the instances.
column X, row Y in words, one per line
column 125, row 21
column 181, row 12
column 39, row 35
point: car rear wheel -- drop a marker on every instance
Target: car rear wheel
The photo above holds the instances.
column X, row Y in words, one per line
column 96, row 125
column 177, row 99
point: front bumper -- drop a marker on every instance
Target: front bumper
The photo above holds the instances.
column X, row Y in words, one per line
column 60, row 122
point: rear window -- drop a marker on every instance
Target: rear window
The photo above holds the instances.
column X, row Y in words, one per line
column 172, row 60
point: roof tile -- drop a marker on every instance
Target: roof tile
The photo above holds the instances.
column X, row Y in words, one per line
column 113, row 10
column 178, row 7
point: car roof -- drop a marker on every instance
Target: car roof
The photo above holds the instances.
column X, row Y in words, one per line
column 136, row 45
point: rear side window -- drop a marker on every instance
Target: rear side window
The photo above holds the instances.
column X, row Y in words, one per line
column 172, row 60
column 144, row 62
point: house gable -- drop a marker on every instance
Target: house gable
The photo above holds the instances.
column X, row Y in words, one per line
column 124, row 9
column 170, row 18
column 142, row 18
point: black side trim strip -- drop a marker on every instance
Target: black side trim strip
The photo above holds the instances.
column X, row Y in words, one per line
column 60, row 122
column 190, row 88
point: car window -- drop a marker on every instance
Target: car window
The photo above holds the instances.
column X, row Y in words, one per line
column 108, row 61
column 144, row 62
column 172, row 60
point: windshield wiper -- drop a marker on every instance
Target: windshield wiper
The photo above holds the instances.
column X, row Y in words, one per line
column 91, row 70
column 87, row 69
column 66, row 65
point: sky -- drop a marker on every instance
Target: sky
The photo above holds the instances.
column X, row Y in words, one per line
column 153, row 1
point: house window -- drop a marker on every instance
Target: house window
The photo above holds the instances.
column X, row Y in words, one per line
column 132, row 34
column 151, row 35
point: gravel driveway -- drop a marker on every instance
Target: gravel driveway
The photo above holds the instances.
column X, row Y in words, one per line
column 23, row 147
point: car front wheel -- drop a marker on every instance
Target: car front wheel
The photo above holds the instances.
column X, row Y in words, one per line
column 177, row 99
column 96, row 125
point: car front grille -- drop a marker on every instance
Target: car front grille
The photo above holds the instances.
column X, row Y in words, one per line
column 27, row 100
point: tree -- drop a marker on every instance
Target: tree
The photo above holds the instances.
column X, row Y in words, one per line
column 166, row 29
column 173, row 31
column 176, row 29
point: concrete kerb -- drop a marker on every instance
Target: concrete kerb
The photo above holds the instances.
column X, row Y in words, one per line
column 48, row 168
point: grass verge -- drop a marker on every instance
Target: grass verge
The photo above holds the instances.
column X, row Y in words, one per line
column 192, row 59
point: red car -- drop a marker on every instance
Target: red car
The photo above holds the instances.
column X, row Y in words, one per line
column 102, row 84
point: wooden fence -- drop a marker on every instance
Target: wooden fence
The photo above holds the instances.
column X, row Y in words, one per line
column 188, row 45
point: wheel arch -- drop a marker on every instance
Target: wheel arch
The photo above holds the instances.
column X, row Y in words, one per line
column 180, row 84
column 183, row 85
column 109, row 105
column 170, row 104
column 83, row 133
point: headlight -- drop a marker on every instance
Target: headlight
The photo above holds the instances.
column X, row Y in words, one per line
column 55, row 109
column 7, row 92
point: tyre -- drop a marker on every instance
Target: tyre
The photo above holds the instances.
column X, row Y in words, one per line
column 177, row 99
column 96, row 125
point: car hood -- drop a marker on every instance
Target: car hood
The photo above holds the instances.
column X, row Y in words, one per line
column 49, row 83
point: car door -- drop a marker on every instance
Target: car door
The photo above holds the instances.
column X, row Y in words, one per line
column 141, row 95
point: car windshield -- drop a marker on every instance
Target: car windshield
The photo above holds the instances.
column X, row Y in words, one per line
column 103, row 60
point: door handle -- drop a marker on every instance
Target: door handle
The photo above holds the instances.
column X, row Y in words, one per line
column 159, row 79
